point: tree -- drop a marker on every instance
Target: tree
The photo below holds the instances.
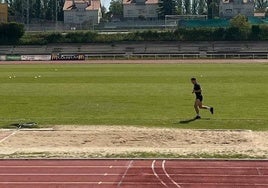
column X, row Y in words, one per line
column 264, row 32
column 201, row 7
column 103, row 10
column 10, row 32
column 37, row 7
column 219, row 34
column 232, row 34
column 179, row 8
column 49, row 9
column 16, row 8
column 166, row 7
column 241, row 23
column 214, row 9
column 255, row 32
column 194, row 7
column 187, row 6
column 209, row 9
column 11, row 9
column 116, row 8
column 104, row 14
column 261, row 4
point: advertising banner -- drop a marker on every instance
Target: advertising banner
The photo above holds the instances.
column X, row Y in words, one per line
column 13, row 57
column 36, row 57
column 66, row 57
column 2, row 57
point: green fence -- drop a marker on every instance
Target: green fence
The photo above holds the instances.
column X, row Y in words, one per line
column 218, row 22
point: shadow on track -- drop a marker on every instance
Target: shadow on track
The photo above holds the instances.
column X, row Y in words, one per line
column 191, row 120
column 187, row 121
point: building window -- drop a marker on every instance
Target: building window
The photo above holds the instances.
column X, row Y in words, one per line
column 141, row 11
column 238, row 10
column 152, row 12
column 228, row 11
column 129, row 12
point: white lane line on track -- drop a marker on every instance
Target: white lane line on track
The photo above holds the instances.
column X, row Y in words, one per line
column 58, row 166
column 111, row 174
column 11, row 134
column 129, row 183
column 79, row 183
column 259, row 172
column 156, row 175
column 122, row 178
column 164, row 169
column 117, row 167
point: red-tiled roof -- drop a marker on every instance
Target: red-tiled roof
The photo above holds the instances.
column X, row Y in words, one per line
column 94, row 5
column 146, row 1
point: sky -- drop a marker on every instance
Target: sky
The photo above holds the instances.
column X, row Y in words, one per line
column 106, row 3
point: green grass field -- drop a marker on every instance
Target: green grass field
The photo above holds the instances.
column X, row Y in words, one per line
column 134, row 94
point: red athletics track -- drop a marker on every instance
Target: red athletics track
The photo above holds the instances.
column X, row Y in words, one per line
column 133, row 174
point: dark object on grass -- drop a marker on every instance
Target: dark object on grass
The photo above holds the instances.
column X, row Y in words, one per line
column 191, row 120
column 25, row 125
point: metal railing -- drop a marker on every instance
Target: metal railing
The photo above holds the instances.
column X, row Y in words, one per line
column 136, row 56
column 180, row 56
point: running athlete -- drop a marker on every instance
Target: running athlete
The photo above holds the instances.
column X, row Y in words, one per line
column 197, row 90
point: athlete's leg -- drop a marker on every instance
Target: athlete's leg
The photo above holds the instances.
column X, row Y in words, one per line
column 196, row 106
column 201, row 106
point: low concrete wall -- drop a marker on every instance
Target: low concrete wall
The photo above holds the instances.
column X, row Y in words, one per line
column 172, row 47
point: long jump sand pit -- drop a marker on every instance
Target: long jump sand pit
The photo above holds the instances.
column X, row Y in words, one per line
column 103, row 141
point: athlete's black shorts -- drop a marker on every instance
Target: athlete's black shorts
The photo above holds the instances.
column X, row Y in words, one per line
column 200, row 97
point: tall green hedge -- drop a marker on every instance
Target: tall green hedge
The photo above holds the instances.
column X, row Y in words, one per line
column 10, row 32
column 255, row 32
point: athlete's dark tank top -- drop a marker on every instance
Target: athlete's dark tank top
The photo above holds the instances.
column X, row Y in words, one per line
column 197, row 87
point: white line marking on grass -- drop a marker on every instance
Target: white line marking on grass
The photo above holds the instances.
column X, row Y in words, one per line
column 37, row 129
column 164, row 169
column 11, row 134
column 128, row 167
column 156, row 175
